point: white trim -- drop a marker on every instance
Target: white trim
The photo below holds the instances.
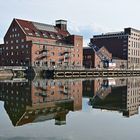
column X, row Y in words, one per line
column 20, row 27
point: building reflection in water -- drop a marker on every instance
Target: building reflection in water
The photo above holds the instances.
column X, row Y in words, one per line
column 39, row 100
column 121, row 95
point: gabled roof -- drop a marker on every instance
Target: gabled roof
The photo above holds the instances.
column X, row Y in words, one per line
column 42, row 30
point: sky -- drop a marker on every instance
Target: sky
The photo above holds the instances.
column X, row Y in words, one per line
column 85, row 17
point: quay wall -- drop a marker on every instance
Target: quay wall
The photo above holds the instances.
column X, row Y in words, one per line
column 90, row 73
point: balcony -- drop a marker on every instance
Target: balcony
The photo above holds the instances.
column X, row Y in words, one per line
column 43, row 55
column 61, row 60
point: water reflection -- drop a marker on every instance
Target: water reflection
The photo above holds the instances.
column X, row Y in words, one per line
column 41, row 99
column 121, row 95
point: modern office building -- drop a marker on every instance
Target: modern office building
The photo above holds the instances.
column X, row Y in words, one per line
column 121, row 95
column 124, row 45
column 29, row 43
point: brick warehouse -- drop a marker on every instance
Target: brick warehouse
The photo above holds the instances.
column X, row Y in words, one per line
column 123, row 45
column 29, row 43
column 92, row 60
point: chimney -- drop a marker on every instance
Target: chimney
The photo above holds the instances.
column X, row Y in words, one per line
column 61, row 24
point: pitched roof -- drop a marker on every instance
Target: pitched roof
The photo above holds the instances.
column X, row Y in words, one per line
column 42, row 30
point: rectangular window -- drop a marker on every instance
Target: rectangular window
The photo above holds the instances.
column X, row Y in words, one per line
column 30, row 34
column 52, row 53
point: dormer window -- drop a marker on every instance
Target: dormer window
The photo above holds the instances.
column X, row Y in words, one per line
column 37, row 34
column 45, row 35
column 27, row 29
column 52, row 36
column 58, row 36
column 30, row 34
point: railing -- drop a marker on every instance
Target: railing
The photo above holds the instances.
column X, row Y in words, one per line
column 13, row 67
column 40, row 56
column 54, row 44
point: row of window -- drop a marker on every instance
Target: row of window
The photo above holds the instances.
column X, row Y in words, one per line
column 45, row 34
column 17, row 53
column 135, row 52
column 110, row 36
column 135, row 44
column 14, row 29
column 135, row 34
column 135, row 38
column 134, row 60
column 17, row 41
column 59, row 54
column 16, row 47
column 20, row 62
column 14, row 35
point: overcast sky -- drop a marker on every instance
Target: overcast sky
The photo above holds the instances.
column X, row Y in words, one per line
column 85, row 17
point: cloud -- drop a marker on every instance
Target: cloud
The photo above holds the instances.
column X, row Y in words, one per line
column 86, row 30
column 84, row 17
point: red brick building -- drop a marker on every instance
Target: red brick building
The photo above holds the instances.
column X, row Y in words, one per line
column 92, row 60
column 29, row 43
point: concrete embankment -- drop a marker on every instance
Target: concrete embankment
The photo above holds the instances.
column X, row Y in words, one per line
column 90, row 73
column 6, row 74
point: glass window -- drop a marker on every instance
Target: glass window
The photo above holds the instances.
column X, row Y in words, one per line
column 26, row 28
